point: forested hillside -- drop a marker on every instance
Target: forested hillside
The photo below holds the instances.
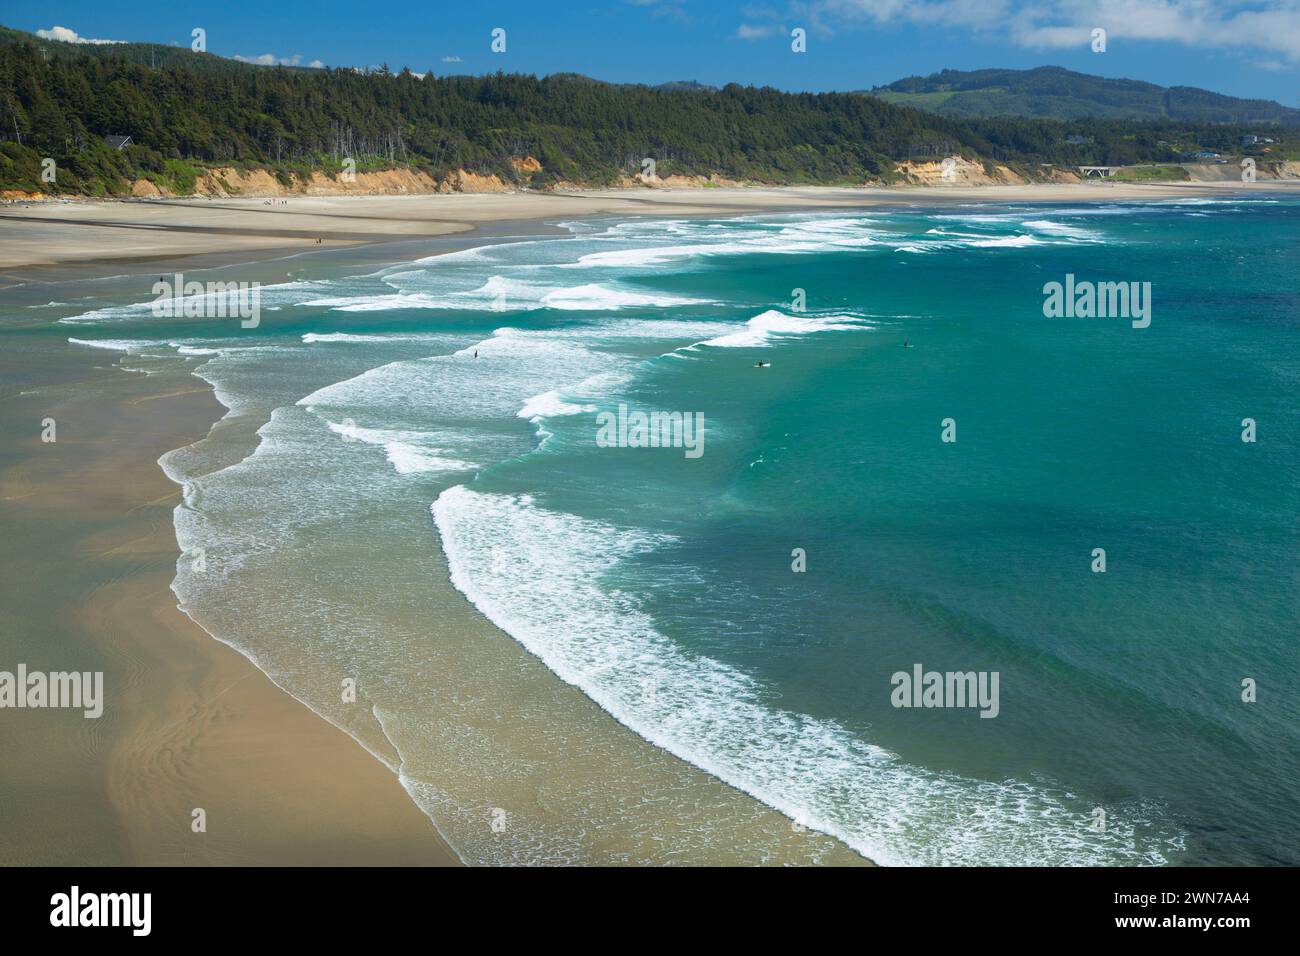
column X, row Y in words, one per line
column 1056, row 93
column 190, row 113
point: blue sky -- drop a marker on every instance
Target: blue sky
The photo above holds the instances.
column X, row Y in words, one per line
column 1242, row 48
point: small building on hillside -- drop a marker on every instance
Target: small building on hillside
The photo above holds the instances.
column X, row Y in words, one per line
column 117, row 142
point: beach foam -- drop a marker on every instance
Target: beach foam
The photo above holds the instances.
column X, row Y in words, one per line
column 717, row 718
column 769, row 327
column 406, row 451
column 117, row 345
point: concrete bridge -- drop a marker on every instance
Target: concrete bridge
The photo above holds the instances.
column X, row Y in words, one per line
column 1099, row 172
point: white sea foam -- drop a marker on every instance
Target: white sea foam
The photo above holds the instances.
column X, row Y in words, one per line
column 111, row 313
column 718, row 718
column 656, row 255
column 947, row 239
column 1062, row 229
column 407, row 451
column 614, row 330
column 504, row 294
column 1004, row 242
column 388, row 302
column 271, row 296
column 117, row 345
column 549, row 405
column 717, row 239
column 311, row 338
column 768, row 327
column 599, row 297
column 1206, row 201
column 513, row 367
column 1058, row 233
column 640, row 245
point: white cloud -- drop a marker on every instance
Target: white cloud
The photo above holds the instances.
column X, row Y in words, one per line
column 64, row 35
column 270, row 59
column 451, row 59
column 1271, row 27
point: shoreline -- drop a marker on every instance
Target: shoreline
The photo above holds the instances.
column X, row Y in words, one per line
column 188, row 722
column 766, row 825
column 232, row 708
column 67, row 239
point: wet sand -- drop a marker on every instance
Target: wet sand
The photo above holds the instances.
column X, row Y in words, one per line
column 89, row 554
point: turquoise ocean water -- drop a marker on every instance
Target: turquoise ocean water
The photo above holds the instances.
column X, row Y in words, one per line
column 661, row 585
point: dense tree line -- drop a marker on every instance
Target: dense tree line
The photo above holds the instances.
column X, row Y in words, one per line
column 183, row 114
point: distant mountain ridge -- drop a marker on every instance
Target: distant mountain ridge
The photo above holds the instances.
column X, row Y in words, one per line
column 1052, row 92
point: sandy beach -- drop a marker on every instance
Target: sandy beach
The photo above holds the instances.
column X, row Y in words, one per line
column 89, row 534
column 189, row 723
column 43, row 240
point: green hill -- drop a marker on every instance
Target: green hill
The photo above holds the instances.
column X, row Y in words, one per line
column 184, row 111
column 687, row 86
column 155, row 55
column 1050, row 92
column 60, row 101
